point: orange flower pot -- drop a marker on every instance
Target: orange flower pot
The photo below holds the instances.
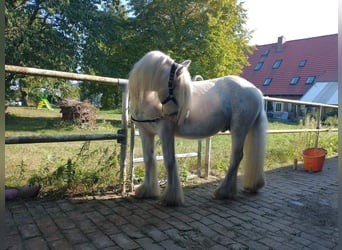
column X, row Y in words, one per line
column 314, row 159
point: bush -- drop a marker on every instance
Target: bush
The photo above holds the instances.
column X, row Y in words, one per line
column 89, row 172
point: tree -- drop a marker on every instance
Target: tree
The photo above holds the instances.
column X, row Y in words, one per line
column 35, row 36
column 210, row 33
column 76, row 36
column 100, row 37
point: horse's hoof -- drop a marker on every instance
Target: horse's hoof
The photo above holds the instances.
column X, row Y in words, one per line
column 250, row 191
column 172, row 203
column 254, row 189
column 142, row 192
column 172, row 199
column 220, row 195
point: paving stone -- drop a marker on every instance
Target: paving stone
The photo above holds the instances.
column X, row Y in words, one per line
column 85, row 246
column 132, row 231
column 180, row 225
column 108, row 227
column 158, row 213
column 218, row 247
column 48, row 228
column 13, row 241
column 22, row 218
column 159, row 223
column 104, row 210
column 117, row 219
column 148, row 244
column 183, row 217
column 100, row 240
column 29, row 230
column 96, row 217
column 157, row 235
column 61, row 244
column 86, row 225
column 37, row 211
column 35, row 243
column 65, row 205
column 135, row 220
column 123, row 241
column 207, row 220
column 203, row 229
column 64, row 222
column 75, row 236
column 169, row 244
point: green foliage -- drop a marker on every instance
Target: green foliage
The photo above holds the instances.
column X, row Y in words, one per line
column 16, row 179
column 89, row 172
column 75, row 36
column 210, row 33
column 101, row 38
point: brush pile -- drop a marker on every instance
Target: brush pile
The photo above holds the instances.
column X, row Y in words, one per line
column 81, row 113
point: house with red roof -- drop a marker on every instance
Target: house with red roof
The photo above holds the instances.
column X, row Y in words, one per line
column 289, row 69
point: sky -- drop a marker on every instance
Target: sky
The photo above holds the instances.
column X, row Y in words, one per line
column 293, row 19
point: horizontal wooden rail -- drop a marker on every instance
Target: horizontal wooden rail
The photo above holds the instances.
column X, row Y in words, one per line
column 61, row 138
column 272, row 99
column 64, row 75
column 285, row 131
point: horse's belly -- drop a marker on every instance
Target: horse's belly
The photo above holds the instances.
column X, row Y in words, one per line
column 201, row 128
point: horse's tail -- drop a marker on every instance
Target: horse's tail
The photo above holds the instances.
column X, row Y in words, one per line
column 254, row 154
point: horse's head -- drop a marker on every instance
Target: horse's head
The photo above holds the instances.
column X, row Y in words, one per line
column 157, row 72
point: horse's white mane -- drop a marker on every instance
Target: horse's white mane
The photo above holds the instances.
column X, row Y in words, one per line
column 151, row 74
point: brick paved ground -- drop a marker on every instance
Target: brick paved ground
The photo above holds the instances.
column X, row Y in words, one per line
column 296, row 210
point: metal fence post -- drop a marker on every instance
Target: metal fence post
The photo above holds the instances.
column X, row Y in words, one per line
column 207, row 157
column 131, row 155
column 199, row 158
column 124, row 124
column 319, row 115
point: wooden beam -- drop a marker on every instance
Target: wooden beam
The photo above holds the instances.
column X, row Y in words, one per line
column 64, row 75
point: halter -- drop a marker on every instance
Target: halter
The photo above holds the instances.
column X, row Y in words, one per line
column 170, row 97
column 171, row 85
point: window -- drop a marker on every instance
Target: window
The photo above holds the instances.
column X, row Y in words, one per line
column 278, row 106
column 276, row 64
column 294, row 80
column 265, row 53
column 302, row 63
column 258, row 66
column 310, row 80
column 267, row 81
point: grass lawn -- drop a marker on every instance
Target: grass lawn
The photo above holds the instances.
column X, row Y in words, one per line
column 83, row 167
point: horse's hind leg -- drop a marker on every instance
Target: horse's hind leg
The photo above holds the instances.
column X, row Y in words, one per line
column 228, row 187
column 150, row 187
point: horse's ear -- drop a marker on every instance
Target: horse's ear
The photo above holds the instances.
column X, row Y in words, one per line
column 186, row 63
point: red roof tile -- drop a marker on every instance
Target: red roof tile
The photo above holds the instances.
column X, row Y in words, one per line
column 320, row 54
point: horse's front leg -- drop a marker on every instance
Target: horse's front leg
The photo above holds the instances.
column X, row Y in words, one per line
column 173, row 194
column 228, row 188
column 150, row 187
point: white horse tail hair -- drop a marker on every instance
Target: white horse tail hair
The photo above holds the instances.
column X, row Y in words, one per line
column 254, row 154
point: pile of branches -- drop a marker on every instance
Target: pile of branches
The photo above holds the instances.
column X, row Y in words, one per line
column 81, row 113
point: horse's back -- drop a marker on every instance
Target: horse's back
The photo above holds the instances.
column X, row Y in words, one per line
column 229, row 89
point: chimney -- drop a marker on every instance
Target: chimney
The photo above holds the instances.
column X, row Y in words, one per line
column 281, row 43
